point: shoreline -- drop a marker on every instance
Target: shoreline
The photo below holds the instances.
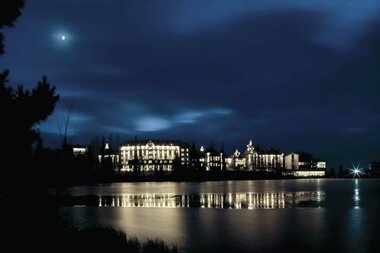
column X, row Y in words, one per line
column 100, row 178
column 188, row 177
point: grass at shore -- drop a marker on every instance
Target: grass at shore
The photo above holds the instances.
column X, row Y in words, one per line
column 98, row 239
column 35, row 225
column 109, row 239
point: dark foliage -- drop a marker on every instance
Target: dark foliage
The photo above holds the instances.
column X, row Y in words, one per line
column 9, row 11
column 21, row 110
column 158, row 246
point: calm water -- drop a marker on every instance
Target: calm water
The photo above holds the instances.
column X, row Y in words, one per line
column 308, row 215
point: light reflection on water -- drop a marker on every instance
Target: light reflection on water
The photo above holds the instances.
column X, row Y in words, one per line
column 356, row 194
column 246, row 200
column 239, row 216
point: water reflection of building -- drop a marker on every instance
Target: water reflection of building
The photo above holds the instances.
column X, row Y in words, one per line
column 245, row 200
column 151, row 155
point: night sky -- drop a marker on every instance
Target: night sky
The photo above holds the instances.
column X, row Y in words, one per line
column 293, row 75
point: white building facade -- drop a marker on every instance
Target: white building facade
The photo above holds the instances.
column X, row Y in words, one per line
column 151, row 155
column 255, row 160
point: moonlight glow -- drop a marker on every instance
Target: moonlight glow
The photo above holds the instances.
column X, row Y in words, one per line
column 62, row 39
column 62, row 36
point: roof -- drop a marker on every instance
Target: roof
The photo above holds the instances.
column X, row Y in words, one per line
column 155, row 142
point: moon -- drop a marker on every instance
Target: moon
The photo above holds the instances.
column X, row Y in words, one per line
column 63, row 37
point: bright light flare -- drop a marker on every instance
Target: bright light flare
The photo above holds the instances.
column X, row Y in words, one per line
column 356, row 171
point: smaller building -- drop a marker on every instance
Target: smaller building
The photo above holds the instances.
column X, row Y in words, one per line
column 108, row 158
column 304, row 173
column 79, row 151
column 374, row 169
column 303, row 165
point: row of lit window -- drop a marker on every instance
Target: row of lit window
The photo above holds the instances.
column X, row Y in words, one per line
column 153, row 161
column 153, row 157
column 153, row 148
column 309, row 173
column 214, row 164
column 131, row 153
column 214, row 158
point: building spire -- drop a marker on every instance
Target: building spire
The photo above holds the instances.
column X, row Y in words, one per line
column 250, row 146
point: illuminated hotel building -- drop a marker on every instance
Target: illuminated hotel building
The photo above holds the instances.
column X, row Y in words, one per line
column 148, row 155
column 236, row 161
column 166, row 155
column 258, row 160
column 210, row 159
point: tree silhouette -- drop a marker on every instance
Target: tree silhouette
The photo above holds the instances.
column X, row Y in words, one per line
column 63, row 126
column 194, row 158
column 178, row 167
column 9, row 11
column 136, row 163
column 332, row 172
column 20, row 109
column 341, row 171
column 223, row 161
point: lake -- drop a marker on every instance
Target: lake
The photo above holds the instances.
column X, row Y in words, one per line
column 304, row 215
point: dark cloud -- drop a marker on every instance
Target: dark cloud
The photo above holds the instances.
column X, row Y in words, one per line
column 278, row 75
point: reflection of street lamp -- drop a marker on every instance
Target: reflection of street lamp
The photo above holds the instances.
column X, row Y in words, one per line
column 356, row 171
column 356, row 194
